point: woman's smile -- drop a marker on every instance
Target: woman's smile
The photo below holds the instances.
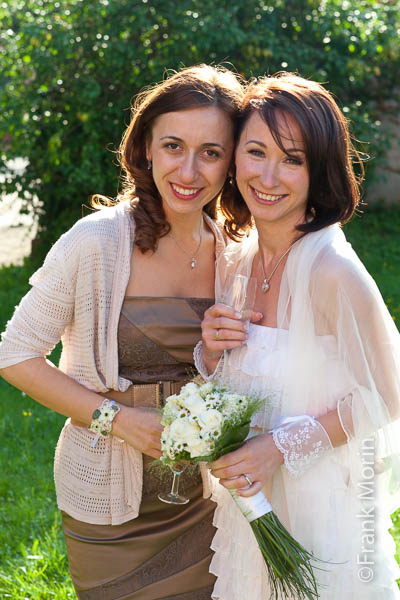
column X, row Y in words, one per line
column 267, row 198
column 183, row 192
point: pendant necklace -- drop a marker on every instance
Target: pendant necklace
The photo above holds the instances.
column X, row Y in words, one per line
column 265, row 284
column 193, row 261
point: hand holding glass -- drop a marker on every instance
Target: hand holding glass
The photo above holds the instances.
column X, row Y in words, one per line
column 239, row 292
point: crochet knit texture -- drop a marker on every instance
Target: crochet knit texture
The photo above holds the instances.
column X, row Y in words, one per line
column 77, row 296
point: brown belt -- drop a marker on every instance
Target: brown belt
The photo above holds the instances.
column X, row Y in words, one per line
column 146, row 394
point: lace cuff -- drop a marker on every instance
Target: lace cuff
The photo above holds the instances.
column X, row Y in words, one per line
column 200, row 364
column 302, row 441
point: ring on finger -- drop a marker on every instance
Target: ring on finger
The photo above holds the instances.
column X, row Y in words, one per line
column 216, row 334
column 247, row 478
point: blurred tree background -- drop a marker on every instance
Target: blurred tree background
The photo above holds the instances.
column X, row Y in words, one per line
column 69, row 69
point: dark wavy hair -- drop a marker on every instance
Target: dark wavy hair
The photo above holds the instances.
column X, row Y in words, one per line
column 334, row 191
column 191, row 87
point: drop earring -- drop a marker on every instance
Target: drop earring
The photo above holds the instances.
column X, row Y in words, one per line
column 149, row 165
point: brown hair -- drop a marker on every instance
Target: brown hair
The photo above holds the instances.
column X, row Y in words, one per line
column 191, row 87
column 334, row 188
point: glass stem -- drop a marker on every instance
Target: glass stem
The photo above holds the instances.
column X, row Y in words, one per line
column 175, row 484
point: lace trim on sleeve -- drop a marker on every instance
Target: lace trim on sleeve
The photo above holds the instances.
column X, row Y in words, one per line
column 200, row 364
column 302, row 441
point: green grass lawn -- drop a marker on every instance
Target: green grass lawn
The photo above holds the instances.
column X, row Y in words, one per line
column 33, row 561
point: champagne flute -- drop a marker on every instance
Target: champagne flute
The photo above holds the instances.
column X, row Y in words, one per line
column 173, row 497
column 239, row 292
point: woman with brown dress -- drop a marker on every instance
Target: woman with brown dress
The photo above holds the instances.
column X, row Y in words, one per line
column 125, row 289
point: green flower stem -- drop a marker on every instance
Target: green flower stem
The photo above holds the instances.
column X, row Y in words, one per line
column 287, row 562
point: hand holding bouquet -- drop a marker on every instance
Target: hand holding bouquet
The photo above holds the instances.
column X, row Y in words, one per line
column 203, row 423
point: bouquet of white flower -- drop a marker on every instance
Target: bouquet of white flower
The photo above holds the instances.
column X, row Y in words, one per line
column 205, row 422
column 202, row 422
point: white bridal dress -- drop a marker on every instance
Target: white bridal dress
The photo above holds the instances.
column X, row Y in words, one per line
column 335, row 348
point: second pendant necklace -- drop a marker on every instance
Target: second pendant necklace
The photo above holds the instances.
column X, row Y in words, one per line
column 265, row 284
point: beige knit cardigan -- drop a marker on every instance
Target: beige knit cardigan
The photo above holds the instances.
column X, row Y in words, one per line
column 77, row 296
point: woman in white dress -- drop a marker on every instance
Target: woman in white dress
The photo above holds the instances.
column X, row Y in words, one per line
column 325, row 355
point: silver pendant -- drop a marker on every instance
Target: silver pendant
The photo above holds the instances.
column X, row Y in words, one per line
column 265, row 286
column 193, row 263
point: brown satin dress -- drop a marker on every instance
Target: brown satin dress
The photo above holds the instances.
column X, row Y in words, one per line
column 165, row 552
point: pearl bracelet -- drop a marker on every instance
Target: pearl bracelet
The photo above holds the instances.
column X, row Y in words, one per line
column 102, row 419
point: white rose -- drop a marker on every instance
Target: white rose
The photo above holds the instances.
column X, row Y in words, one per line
column 189, row 388
column 174, row 402
column 171, row 400
column 171, row 410
column 195, row 404
column 183, row 430
column 206, row 388
column 200, row 448
column 211, row 420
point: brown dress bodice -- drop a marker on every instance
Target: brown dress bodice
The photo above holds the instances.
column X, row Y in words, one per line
column 157, row 335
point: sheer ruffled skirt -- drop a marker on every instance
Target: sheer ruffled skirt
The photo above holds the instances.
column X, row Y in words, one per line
column 326, row 516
